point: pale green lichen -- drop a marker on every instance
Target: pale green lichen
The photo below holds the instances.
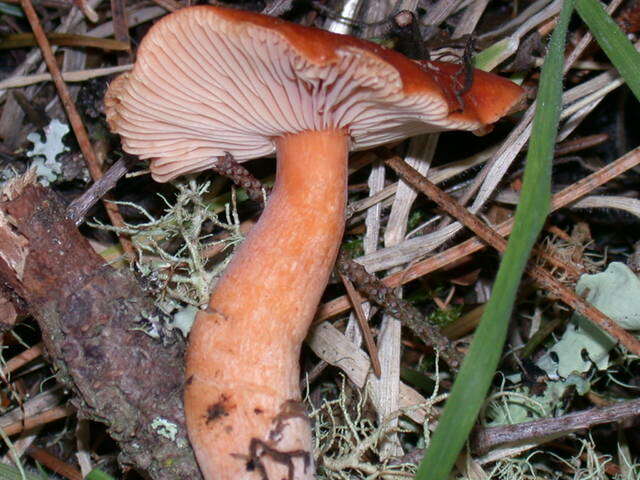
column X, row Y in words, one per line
column 347, row 437
column 616, row 293
column 165, row 428
column 172, row 252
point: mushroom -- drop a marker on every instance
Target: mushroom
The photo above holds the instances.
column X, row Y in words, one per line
column 210, row 80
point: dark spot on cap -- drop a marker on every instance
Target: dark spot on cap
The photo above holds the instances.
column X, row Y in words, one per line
column 258, row 411
column 189, row 380
column 218, row 409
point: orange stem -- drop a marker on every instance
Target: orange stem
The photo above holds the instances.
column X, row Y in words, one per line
column 242, row 366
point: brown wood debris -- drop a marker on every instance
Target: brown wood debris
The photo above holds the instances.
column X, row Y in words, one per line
column 89, row 314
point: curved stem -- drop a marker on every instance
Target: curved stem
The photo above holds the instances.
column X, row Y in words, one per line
column 242, row 364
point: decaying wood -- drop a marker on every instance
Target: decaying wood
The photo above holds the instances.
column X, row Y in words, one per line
column 8, row 312
column 90, row 316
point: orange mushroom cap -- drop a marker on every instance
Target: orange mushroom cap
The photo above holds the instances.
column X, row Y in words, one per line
column 211, row 80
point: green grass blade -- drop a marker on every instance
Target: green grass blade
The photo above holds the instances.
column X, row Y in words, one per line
column 474, row 378
column 491, row 57
column 97, row 474
column 613, row 42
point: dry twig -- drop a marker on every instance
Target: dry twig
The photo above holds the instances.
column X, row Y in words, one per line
column 474, row 244
column 78, row 209
column 76, row 122
column 76, row 76
column 492, row 238
column 170, row 5
column 376, row 291
column 22, row 359
column 121, row 29
column 32, row 422
column 547, row 429
column 54, row 463
column 356, row 301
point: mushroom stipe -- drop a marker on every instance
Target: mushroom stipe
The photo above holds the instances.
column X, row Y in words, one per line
column 210, row 80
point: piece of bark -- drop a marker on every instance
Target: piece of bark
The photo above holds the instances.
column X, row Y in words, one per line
column 88, row 313
column 8, row 312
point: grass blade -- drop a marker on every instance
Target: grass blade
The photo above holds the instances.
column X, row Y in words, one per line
column 613, row 42
column 477, row 371
column 491, row 57
column 97, row 474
